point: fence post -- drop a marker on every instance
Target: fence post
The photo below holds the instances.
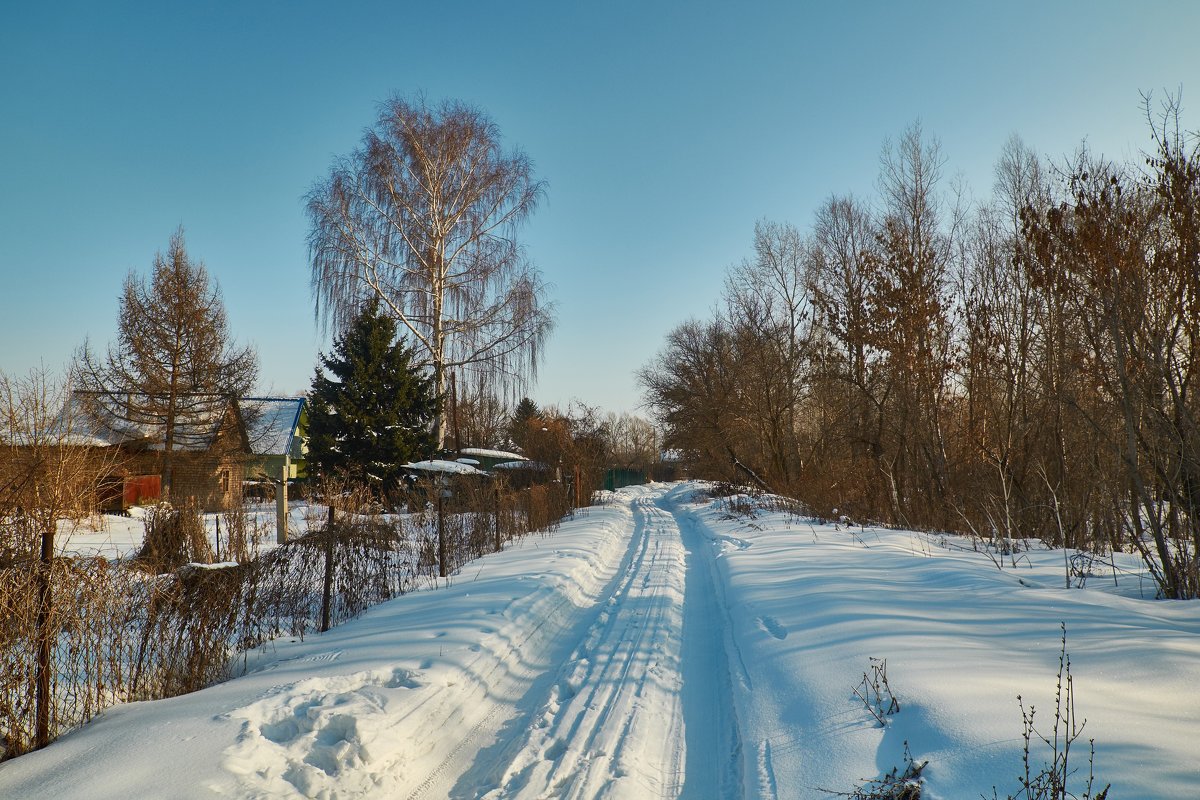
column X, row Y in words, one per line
column 327, row 589
column 281, row 502
column 441, row 526
column 496, row 518
column 42, row 690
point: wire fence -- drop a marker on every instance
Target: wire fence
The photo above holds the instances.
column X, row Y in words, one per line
column 80, row 634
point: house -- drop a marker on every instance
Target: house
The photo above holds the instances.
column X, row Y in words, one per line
column 276, row 429
column 209, row 447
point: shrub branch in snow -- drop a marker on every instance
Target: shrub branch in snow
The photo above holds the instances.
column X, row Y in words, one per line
column 1055, row 779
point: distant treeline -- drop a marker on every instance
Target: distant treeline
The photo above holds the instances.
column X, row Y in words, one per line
column 1023, row 367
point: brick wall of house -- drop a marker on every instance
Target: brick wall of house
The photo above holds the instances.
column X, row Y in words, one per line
column 215, row 480
column 213, row 476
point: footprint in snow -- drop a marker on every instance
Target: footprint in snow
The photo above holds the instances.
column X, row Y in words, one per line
column 773, row 627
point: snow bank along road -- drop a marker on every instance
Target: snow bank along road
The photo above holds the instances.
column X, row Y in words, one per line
column 657, row 647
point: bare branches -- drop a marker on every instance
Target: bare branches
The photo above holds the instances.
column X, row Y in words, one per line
column 174, row 361
column 1022, row 368
column 424, row 216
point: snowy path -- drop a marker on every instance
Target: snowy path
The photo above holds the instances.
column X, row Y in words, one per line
column 617, row 690
column 619, row 687
column 642, row 707
column 658, row 647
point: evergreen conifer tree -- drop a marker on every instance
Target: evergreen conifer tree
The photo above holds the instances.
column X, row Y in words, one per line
column 373, row 412
column 518, row 428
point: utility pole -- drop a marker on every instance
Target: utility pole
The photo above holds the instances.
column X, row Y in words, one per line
column 281, row 501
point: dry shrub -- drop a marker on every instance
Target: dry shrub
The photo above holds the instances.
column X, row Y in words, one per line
column 88, row 626
column 119, row 634
column 174, row 537
column 238, row 535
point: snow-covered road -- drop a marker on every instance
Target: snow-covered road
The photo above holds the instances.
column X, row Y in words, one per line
column 639, row 706
column 612, row 723
column 658, row 646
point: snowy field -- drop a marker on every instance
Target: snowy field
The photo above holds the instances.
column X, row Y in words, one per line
column 112, row 536
column 657, row 646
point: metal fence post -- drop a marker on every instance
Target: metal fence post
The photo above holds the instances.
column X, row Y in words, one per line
column 441, row 527
column 42, row 688
column 327, row 589
column 496, row 518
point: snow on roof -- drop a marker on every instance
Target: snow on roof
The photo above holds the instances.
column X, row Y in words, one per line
column 483, row 453
column 114, row 418
column 438, row 465
column 526, row 464
column 271, row 423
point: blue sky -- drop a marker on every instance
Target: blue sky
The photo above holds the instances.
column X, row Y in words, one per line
column 663, row 130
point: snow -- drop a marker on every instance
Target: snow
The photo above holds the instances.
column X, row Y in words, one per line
column 114, row 536
column 485, row 453
column 658, row 646
column 438, row 465
column 270, row 423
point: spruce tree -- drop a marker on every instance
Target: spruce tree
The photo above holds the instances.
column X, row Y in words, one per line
column 373, row 412
column 518, row 427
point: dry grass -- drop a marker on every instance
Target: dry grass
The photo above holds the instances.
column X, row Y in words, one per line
column 161, row 624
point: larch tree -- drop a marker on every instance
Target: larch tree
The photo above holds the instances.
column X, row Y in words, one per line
column 174, row 361
column 374, row 409
column 424, row 217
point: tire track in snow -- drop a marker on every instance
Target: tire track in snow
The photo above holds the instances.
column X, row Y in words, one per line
column 711, row 661
column 479, row 772
column 613, row 724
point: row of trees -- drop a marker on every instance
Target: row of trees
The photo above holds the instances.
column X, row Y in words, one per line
column 414, row 241
column 1021, row 367
column 416, row 265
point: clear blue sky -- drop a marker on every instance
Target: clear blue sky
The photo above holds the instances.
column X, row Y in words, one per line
column 664, row 130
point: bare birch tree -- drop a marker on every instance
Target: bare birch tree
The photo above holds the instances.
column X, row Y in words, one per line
column 424, row 216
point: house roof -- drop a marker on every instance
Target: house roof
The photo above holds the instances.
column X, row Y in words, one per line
column 104, row 419
column 484, row 453
column 271, row 423
column 112, row 418
column 534, row 466
column 438, row 465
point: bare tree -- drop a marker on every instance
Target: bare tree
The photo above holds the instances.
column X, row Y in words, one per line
column 768, row 307
column 174, row 362
column 693, row 387
column 484, row 420
column 48, row 473
column 910, row 322
column 424, row 216
column 633, row 441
